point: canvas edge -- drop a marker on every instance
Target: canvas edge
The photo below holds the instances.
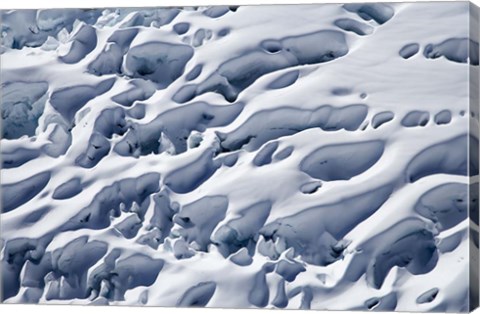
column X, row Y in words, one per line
column 474, row 34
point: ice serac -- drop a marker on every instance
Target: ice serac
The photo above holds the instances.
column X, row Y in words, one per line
column 140, row 90
column 460, row 50
column 114, row 277
column 236, row 74
column 23, row 104
column 69, row 100
column 17, row 157
column 150, row 17
column 112, row 200
column 17, row 194
column 379, row 12
column 197, row 220
column 198, row 295
column 415, row 118
column 382, row 118
column 354, row 26
column 342, row 161
column 407, row 245
column 189, row 177
column 446, row 205
column 83, row 41
column 266, row 125
column 316, row 235
column 68, row 189
column 443, row 117
column 242, row 231
column 445, row 157
column 31, row 28
column 409, row 50
column 170, row 130
column 159, row 62
column 284, row 80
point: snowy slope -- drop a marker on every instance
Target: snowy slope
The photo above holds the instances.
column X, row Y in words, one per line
column 307, row 156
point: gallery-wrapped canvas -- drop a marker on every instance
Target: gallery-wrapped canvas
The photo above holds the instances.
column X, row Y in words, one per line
column 315, row 156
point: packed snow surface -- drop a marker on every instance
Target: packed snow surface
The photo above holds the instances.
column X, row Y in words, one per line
column 306, row 156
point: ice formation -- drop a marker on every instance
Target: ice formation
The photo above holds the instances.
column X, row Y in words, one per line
column 306, row 156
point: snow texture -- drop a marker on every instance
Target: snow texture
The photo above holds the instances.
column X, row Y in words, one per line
column 300, row 156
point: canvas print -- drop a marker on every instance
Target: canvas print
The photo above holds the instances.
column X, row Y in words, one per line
column 314, row 156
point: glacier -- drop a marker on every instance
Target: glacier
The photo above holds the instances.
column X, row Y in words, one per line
column 316, row 156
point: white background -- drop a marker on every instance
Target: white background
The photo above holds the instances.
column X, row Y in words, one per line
column 53, row 309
